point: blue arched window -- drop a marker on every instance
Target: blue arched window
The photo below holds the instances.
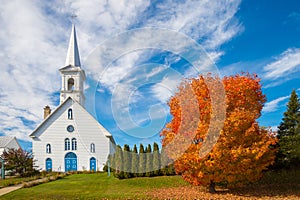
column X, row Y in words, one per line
column 48, row 148
column 92, row 148
column 74, row 144
column 70, row 113
column 67, row 144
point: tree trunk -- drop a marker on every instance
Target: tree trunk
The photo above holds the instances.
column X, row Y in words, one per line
column 211, row 187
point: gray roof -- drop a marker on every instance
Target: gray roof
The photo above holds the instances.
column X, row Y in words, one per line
column 5, row 140
column 73, row 58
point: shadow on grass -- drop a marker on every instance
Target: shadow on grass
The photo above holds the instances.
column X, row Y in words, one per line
column 271, row 190
column 273, row 184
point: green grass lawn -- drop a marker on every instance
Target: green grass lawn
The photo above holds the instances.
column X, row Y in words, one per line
column 275, row 185
column 95, row 186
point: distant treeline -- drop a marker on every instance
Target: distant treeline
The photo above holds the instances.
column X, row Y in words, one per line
column 128, row 163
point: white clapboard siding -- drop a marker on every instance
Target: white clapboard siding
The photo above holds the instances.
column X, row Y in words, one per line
column 53, row 131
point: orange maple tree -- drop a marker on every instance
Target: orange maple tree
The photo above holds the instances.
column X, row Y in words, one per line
column 239, row 149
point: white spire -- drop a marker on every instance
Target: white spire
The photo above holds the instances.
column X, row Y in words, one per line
column 73, row 53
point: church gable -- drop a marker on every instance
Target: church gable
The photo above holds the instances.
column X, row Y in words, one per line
column 51, row 118
column 70, row 109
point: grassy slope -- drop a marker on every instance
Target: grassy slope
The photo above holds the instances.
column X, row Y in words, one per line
column 275, row 185
column 95, row 186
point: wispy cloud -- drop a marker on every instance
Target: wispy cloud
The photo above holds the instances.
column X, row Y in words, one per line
column 293, row 19
column 166, row 87
column 33, row 44
column 273, row 105
column 213, row 20
column 273, row 71
column 30, row 57
column 284, row 65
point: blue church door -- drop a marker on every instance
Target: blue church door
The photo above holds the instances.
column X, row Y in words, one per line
column 92, row 164
column 48, row 164
column 70, row 162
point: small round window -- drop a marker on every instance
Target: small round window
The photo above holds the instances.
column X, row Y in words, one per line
column 70, row 128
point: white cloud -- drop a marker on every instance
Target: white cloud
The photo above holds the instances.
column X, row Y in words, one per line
column 166, row 88
column 29, row 63
column 212, row 20
column 33, row 41
column 272, row 106
column 100, row 19
column 155, row 71
column 274, row 128
column 119, row 70
column 284, row 65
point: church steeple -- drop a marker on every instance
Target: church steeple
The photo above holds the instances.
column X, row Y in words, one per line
column 73, row 53
column 72, row 75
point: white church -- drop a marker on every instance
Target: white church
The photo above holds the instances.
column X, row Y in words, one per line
column 69, row 138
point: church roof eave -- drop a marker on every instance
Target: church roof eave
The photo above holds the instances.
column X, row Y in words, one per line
column 32, row 135
column 103, row 130
column 71, row 68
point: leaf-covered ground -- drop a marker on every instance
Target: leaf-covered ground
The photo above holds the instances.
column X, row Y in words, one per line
column 274, row 185
column 193, row 192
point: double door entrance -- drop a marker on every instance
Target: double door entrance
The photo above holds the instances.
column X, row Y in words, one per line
column 70, row 162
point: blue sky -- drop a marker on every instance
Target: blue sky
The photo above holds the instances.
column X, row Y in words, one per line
column 128, row 94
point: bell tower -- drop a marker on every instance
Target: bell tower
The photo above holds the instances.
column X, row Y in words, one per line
column 72, row 76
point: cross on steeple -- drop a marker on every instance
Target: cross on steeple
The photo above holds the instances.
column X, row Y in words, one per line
column 73, row 16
